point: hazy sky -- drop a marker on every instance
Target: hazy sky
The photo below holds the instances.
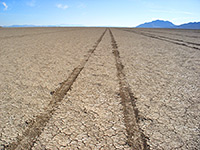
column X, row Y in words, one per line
column 128, row 13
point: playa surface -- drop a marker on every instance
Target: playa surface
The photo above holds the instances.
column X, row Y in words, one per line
column 99, row 88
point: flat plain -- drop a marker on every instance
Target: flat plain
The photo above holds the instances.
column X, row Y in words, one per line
column 99, row 88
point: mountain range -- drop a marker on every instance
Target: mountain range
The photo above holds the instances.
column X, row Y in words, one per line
column 168, row 24
column 153, row 24
column 30, row 25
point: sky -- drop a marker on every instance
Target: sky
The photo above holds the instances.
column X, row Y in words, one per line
column 122, row 13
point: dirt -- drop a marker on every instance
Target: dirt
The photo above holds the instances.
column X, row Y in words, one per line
column 164, row 77
column 93, row 88
column 169, row 39
column 136, row 138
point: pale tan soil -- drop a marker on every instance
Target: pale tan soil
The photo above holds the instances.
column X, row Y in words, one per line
column 32, row 67
column 21, row 32
column 162, row 79
column 191, row 40
column 90, row 116
column 186, row 35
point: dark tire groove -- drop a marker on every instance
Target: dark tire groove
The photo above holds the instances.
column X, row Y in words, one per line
column 35, row 128
column 163, row 38
column 171, row 34
column 136, row 139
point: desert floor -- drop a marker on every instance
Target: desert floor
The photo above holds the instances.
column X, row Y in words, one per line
column 99, row 88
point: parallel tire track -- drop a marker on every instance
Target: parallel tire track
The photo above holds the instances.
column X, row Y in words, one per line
column 169, row 33
column 163, row 38
column 136, row 139
column 35, row 128
column 178, row 40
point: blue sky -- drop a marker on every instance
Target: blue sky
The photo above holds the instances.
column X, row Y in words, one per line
column 128, row 13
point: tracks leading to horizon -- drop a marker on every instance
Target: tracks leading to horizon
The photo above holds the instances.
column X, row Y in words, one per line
column 136, row 139
column 126, row 92
column 27, row 140
column 168, row 39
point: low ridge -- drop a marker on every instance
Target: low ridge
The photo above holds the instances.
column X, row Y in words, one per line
column 168, row 24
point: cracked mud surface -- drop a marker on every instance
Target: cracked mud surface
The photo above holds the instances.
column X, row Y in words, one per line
column 162, row 77
column 190, row 36
column 31, row 68
column 90, row 116
column 136, row 139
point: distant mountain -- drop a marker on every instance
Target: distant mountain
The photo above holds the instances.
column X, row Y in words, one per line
column 167, row 24
column 191, row 25
column 17, row 26
column 61, row 25
column 157, row 24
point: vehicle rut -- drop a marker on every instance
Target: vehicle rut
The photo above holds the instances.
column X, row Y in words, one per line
column 167, row 39
column 171, row 34
column 36, row 126
column 173, row 39
column 136, row 139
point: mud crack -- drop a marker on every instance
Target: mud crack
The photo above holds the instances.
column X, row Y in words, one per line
column 167, row 39
column 34, row 34
column 136, row 139
column 35, row 128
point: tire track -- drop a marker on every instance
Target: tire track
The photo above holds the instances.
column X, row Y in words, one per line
column 136, row 139
column 169, row 33
column 35, row 128
column 197, row 44
column 174, row 41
